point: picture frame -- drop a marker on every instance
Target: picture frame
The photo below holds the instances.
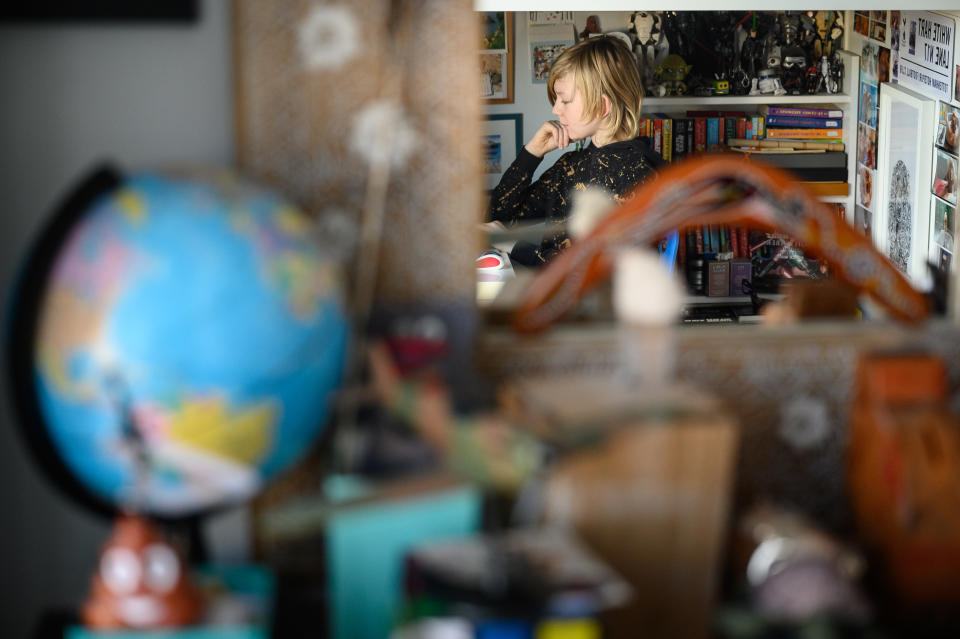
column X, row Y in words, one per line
column 496, row 57
column 901, row 224
column 503, row 138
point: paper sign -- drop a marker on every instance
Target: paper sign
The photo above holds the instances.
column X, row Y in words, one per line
column 926, row 53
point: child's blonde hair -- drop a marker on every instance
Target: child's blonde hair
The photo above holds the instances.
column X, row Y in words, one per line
column 599, row 66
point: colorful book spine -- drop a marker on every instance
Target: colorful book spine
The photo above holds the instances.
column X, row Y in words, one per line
column 804, row 123
column 700, row 135
column 658, row 136
column 713, row 134
column 698, row 239
column 667, row 139
column 800, row 112
column 804, row 134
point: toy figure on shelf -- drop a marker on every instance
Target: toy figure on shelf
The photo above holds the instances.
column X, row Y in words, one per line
column 751, row 55
column 794, row 70
column 592, row 27
column 835, row 42
column 835, row 80
column 769, row 82
column 677, row 29
column 645, row 28
column 672, row 72
column 810, row 36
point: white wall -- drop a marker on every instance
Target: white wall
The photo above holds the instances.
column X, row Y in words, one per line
column 142, row 96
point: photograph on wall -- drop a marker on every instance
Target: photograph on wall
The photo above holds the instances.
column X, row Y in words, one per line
column 942, row 234
column 956, row 85
column 861, row 220
column 861, row 23
column 945, row 177
column 883, row 64
column 865, row 187
column 866, row 146
column 496, row 57
column 502, row 139
column 944, row 258
column 948, row 128
column 942, row 229
column 878, row 30
column 868, row 105
column 895, row 66
column 868, row 62
column 895, row 29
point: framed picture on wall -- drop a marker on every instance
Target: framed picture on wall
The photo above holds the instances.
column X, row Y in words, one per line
column 496, row 57
column 902, row 198
column 502, row 139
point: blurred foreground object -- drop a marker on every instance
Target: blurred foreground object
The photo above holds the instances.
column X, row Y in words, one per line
column 143, row 584
column 806, row 299
column 904, row 475
column 717, row 189
column 141, row 581
column 175, row 341
column 796, row 572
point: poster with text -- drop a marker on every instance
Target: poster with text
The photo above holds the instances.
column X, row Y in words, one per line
column 926, row 62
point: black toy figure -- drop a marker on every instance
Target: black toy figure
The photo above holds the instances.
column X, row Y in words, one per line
column 794, row 70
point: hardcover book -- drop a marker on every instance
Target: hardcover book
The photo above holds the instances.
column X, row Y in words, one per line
column 718, row 279
column 800, row 112
column 804, row 134
column 804, row 123
column 740, row 271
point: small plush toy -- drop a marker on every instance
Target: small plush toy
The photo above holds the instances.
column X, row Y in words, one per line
column 672, row 72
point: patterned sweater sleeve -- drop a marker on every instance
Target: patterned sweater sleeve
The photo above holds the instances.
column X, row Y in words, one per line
column 518, row 199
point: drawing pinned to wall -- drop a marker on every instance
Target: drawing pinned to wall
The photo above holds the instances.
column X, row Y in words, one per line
column 900, row 215
column 547, row 42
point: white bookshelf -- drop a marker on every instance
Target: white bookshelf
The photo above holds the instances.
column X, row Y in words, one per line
column 846, row 100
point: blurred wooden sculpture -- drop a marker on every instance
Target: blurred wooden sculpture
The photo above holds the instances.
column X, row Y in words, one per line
column 718, row 189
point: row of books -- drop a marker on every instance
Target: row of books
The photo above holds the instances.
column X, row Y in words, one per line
column 675, row 137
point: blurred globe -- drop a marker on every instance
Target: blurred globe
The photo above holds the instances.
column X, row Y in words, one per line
column 186, row 340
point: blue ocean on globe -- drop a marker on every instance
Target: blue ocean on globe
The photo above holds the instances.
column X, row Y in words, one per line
column 191, row 336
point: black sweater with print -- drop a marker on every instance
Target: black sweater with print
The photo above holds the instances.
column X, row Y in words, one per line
column 616, row 167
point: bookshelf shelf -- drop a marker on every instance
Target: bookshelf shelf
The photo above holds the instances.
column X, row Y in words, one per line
column 651, row 104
